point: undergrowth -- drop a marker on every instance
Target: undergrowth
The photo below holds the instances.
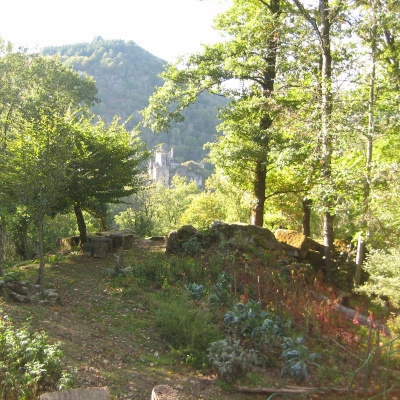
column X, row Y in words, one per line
column 29, row 364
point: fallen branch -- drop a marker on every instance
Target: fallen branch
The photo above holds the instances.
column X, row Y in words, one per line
column 299, row 390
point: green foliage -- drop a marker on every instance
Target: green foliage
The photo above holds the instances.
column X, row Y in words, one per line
column 29, row 364
column 230, row 359
column 250, row 321
column 192, row 247
column 297, row 358
column 187, row 328
column 221, row 292
column 204, row 210
column 157, row 210
column 384, row 281
column 195, row 291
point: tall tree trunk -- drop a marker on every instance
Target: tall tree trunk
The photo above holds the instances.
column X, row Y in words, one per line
column 81, row 222
column 257, row 212
column 2, row 242
column 323, row 32
column 368, row 158
column 269, row 75
column 326, row 115
column 306, row 218
column 40, row 279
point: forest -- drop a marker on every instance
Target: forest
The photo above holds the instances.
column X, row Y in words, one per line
column 297, row 109
column 125, row 76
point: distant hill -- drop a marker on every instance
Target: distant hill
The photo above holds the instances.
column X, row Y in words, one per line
column 126, row 76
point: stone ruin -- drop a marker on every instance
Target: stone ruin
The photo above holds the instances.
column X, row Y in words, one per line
column 289, row 246
column 100, row 244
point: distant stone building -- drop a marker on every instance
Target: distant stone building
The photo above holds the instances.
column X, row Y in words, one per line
column 163, row 169
column 159, row 169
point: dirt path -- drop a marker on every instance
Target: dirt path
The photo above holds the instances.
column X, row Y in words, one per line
column 109, row 338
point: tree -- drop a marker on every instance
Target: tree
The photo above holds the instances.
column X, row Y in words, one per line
column 106, row 165
column 39, row 96
column 248, row 58
column 379, row 35
column 34, row 171
column 322, row 21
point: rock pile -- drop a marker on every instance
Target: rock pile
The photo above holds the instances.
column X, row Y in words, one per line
column 23, row 292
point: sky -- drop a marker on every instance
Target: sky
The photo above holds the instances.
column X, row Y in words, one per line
column 165, row 28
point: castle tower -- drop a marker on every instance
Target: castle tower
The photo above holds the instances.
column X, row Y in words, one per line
column 159, row 169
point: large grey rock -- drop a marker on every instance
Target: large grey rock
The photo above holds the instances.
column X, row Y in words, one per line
column 95, row 249
column 242, row 235
column 94, row 393
column 100, row 240
column 18, row 287
column 19, row 298
column 175, row 239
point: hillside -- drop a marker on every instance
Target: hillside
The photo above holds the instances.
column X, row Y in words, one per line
column 178, row 315
column 126, row 76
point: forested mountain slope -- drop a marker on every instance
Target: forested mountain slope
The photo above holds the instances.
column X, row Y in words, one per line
column 126, row 76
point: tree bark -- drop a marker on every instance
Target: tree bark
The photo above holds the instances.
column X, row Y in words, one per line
column 40, row 279
column 326, row 114
column 269, row 75
column 81, row 222
column 2, row 242
column 257, row 212
column 306, row 218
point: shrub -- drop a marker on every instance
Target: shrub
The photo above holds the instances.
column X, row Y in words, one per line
column 221, row 293
column 230, row 359
column 384, row 281
column 252, row 322
column 195, row 291
column 187, row 328
column 28, row 363
column 297, row 358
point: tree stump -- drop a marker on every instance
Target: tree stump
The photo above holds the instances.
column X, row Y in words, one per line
column 164, row 392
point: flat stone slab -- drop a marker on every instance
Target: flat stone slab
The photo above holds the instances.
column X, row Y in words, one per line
column 94, row 393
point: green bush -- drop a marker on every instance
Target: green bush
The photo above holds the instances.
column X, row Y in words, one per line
column 29, row 365
column 230, row 359
column 298, row 359
column 221, row 293
column 384, row 281
column 187, row 327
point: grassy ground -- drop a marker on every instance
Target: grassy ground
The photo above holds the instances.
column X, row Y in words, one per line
column 108, row 336
column 106, row 328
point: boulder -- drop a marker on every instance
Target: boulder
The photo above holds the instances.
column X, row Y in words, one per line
column 95, row 249
column 18, row 287
column 299, row 241
column 100, row 240
column 94, row 393
column 19, row 298
column 242, row 235
column 123, row 240
column 175, row 239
